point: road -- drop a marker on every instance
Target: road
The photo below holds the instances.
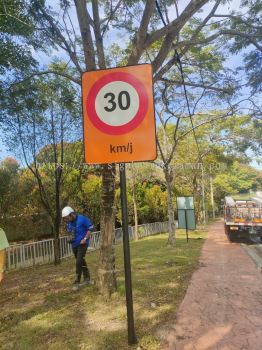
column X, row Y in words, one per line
column 254, row 250
column 222, row 307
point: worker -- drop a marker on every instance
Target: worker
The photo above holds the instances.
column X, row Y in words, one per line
column 79, row 228
column 3, row 245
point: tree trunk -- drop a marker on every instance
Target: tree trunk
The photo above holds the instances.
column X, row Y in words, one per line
column 57, row 259
column 170, row 207
column 106, row 279
column 212, row 197
column 57, row 225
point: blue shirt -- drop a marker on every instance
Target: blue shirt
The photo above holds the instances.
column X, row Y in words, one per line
column 78, row 229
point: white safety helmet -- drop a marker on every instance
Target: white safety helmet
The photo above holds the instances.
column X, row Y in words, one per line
column 67, row 211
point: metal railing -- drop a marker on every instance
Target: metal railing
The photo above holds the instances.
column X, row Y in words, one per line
column 42, row 252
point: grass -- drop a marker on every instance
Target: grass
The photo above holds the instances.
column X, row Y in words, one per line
column 243, row 196
column 39, row 310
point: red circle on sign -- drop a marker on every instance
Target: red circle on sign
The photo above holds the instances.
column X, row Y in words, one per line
column 142, row 109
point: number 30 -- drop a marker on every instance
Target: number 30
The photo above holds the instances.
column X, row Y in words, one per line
column 120, row 101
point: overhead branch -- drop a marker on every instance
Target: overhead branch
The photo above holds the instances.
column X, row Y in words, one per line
column 64, row 75
column 109, row 18
column 141, row 35
column 201, row 26
column 161, row 151
column 188, row 43
column 98, row 35
column 72, row 42
column 203, row 86
column 166, row 100
column 214, row 36
column 176, row 25
column 238, row 18
column 65, row 45
column 169, row 155
column 171, row 31
column 163, row 52
column 158, row 76
column 34, row 170
column 17, row 19
column 230, row 113
column 71, row 23
column 84, row 24
column 250, row 37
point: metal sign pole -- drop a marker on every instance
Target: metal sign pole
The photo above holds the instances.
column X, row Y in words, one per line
column 186, row 225
column 128, row 280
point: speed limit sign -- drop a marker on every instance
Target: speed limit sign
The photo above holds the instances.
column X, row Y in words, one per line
column 119, row 123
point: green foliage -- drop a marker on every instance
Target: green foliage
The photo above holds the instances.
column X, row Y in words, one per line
column 239, row 178
column 116, row 56
column 151, row 202
column 88, row 198
column 15, row 23
column 251, row 27
column 253, row 63
column 9, row 177
column 224, row 148
column 207, row 57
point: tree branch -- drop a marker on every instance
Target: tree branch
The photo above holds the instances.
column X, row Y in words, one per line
column 98, row 36
column 237, row 18
column 66, row 46
column 73, row 43
column 202, row 25
column 84, row 24
column 189, row 43
column 112, row 13
column 35, row 171
column 203, row 86
column 138, row 44
column 172, row 31
column 220, row 33
column 64, row 75
column 176, row 25
column 161, row 151
column 163, row 52
column 204, row 123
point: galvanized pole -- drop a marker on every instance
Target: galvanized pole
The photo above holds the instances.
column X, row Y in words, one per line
column 186, row 225
column 128, row 279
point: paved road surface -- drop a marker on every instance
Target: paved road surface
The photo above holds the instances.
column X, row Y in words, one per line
column 255, row 253
column 222, row 309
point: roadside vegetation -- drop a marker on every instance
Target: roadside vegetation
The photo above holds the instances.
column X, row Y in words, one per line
column 39, row 310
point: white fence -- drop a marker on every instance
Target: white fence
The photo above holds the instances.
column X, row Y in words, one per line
column 42, row 252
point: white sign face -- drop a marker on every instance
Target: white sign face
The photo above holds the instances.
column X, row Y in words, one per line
column 185, row 202
column 117, row 103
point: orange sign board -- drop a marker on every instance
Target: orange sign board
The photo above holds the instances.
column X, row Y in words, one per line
column 118, row 110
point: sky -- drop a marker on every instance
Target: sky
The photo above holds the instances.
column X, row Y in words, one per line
column 233, row 61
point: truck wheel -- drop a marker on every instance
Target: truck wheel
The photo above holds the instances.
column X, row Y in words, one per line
column 231, row 237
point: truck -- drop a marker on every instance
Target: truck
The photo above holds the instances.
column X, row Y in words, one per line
column 243, row 218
